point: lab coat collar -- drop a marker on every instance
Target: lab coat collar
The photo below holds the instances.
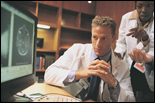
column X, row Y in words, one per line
column 114, row 62
column 86, row 57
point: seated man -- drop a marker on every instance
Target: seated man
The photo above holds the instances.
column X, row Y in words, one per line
column 108, row 76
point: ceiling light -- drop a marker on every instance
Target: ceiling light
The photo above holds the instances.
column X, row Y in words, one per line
column 89, row 2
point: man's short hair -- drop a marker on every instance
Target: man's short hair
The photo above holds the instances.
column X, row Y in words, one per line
column 104, row 21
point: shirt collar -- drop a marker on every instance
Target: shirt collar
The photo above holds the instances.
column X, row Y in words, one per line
column 105, row 57
column 134, row 15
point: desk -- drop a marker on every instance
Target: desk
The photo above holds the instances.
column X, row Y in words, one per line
column 44, row 88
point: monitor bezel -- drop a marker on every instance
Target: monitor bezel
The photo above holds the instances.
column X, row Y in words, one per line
column 10, row 88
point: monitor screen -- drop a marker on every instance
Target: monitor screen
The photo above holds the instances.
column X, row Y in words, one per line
column 18, row 49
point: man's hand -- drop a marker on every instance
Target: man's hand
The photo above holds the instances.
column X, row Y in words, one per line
column 140, row 56
column 102, row 69
column 138, row 33
column 93, row 69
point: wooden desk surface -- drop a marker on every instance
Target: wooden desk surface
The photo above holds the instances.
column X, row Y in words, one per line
column 44, row 88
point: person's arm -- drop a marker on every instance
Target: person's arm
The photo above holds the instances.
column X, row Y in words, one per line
column 122, row 92
column 57, row 72
column 70, row 78
column 114, row 94
column 141, row 57
column 151, row 63
column 121, row 42
column 150, row 73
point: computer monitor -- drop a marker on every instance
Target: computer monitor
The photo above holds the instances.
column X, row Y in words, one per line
column 18, row 49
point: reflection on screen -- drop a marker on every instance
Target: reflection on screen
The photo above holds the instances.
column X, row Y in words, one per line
column 17, row 38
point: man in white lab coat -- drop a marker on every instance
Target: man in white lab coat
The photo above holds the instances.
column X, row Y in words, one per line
column 79, row 62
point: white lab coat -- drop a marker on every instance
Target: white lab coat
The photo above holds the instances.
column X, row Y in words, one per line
column 128, row 42
column 78, row 57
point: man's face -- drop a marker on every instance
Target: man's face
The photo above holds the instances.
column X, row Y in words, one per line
column 102, row 39
column 145, row 9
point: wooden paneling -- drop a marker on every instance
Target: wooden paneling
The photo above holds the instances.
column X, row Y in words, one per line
column 70, row 36
column 71, row 5
column 70, row 18
column 86, row 21
column 114, row 9
column 47, row 14
column 85, row 7
column 51, row 3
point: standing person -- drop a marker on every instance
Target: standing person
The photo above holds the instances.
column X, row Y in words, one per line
column 79, row 61
column 137, row 25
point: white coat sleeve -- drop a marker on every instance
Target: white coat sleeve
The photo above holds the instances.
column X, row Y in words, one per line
column 121, row 42
column 151, row 43
column 149, row 74
column 56, row 73
column 150, row 77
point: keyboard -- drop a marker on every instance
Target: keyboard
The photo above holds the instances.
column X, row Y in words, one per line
column 57, row 99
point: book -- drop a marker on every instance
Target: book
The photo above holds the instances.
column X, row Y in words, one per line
column 37, row 62
column 41, row 62
column 49, row 59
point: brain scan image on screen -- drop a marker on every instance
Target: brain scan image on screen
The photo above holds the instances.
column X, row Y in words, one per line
column 22, row 41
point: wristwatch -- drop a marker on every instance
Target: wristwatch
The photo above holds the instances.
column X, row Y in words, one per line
column 146, row 40
column 115, row 86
